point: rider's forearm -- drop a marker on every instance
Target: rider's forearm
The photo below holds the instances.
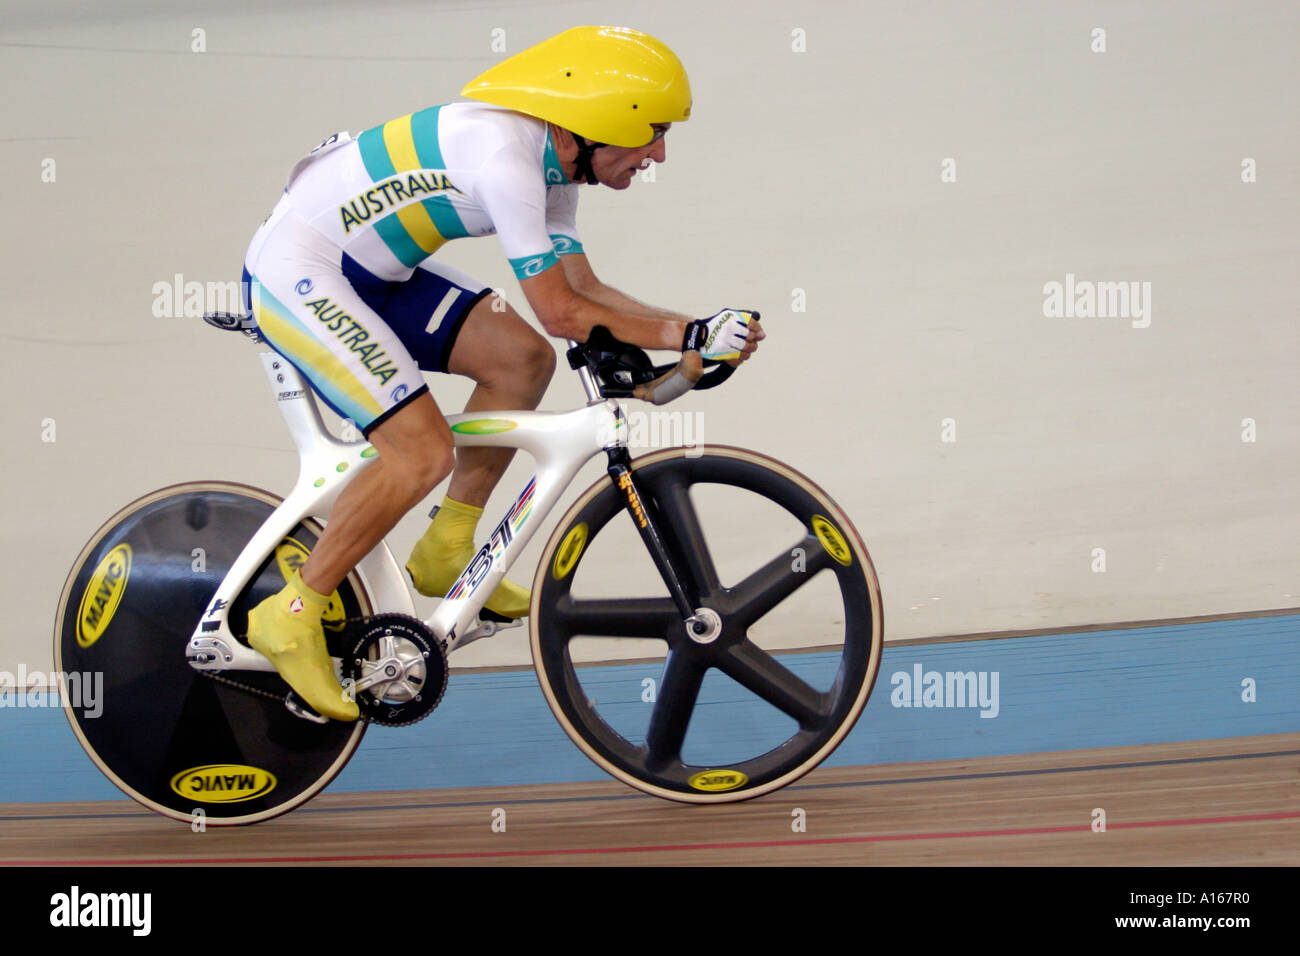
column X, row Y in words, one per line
column 581, row 314
column 614, row 299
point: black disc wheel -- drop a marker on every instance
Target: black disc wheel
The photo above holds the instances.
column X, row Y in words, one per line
column 772, row 670
column 183, row 743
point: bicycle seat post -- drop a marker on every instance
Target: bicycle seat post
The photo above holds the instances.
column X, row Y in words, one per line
column 588, row 380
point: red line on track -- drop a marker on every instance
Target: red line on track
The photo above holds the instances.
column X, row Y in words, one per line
column 663, row 848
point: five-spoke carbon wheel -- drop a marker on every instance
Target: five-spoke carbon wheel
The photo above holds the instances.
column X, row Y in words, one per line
column 767, row 676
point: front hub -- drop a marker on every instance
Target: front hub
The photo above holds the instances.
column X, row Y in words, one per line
column 704, row 626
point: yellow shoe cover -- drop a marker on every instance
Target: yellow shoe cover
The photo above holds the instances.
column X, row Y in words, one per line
column 286, row 629
column 447, row 548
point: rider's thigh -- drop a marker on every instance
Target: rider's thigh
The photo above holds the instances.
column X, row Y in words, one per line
column 495, row 344
column 310, row 312
column 426, row 311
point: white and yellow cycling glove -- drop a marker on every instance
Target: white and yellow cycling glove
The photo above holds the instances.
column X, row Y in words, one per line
column 720, row 337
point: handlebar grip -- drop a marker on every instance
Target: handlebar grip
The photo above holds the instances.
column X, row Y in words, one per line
column 679, row 380
column 715, row 376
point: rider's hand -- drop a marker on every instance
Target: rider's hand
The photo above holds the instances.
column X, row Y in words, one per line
column 730, row 336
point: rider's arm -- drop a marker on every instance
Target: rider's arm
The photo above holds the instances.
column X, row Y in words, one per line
column 517, row 202
column 520, row 208
column 567, row 313
column 577, row 269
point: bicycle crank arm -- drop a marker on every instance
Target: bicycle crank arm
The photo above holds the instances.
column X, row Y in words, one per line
column 485, row 628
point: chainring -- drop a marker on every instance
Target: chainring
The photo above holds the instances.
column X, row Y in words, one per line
column 402, row 664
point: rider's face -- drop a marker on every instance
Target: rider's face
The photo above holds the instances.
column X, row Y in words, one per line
column 615, row 166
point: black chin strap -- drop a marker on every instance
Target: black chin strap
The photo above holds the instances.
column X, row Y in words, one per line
column 585, row 149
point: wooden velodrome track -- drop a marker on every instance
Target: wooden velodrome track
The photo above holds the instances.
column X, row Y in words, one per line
column 1225, row 802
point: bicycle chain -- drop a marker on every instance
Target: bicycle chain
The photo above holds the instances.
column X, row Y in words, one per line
column 279, row 698
column 259, row 691
column 231, row 682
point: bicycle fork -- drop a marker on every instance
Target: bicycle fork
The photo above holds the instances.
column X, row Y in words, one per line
column 697, row 620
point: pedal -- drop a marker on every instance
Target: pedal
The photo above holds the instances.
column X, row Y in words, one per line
column 299, row 708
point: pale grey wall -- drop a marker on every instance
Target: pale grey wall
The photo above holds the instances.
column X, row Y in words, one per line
column 815, row 170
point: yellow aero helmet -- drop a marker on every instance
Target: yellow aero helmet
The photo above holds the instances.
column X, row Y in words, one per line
column 607, row 84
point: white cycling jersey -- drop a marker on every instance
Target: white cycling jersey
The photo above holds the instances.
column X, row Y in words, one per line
column 392, row 196
column 340, row 275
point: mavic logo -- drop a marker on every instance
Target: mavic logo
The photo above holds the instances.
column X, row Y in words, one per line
column 103, row 594
column 716, row 781
column 223, row 783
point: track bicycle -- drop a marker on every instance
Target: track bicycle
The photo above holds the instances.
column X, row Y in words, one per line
column 706, row 624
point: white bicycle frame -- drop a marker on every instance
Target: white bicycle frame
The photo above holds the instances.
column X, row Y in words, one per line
column 560, row 443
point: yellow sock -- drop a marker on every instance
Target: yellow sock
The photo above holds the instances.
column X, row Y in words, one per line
column 447, row 548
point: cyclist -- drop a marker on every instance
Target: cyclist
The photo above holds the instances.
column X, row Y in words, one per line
column 342, row 285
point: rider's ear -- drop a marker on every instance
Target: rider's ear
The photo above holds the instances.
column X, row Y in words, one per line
column 561, row 136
